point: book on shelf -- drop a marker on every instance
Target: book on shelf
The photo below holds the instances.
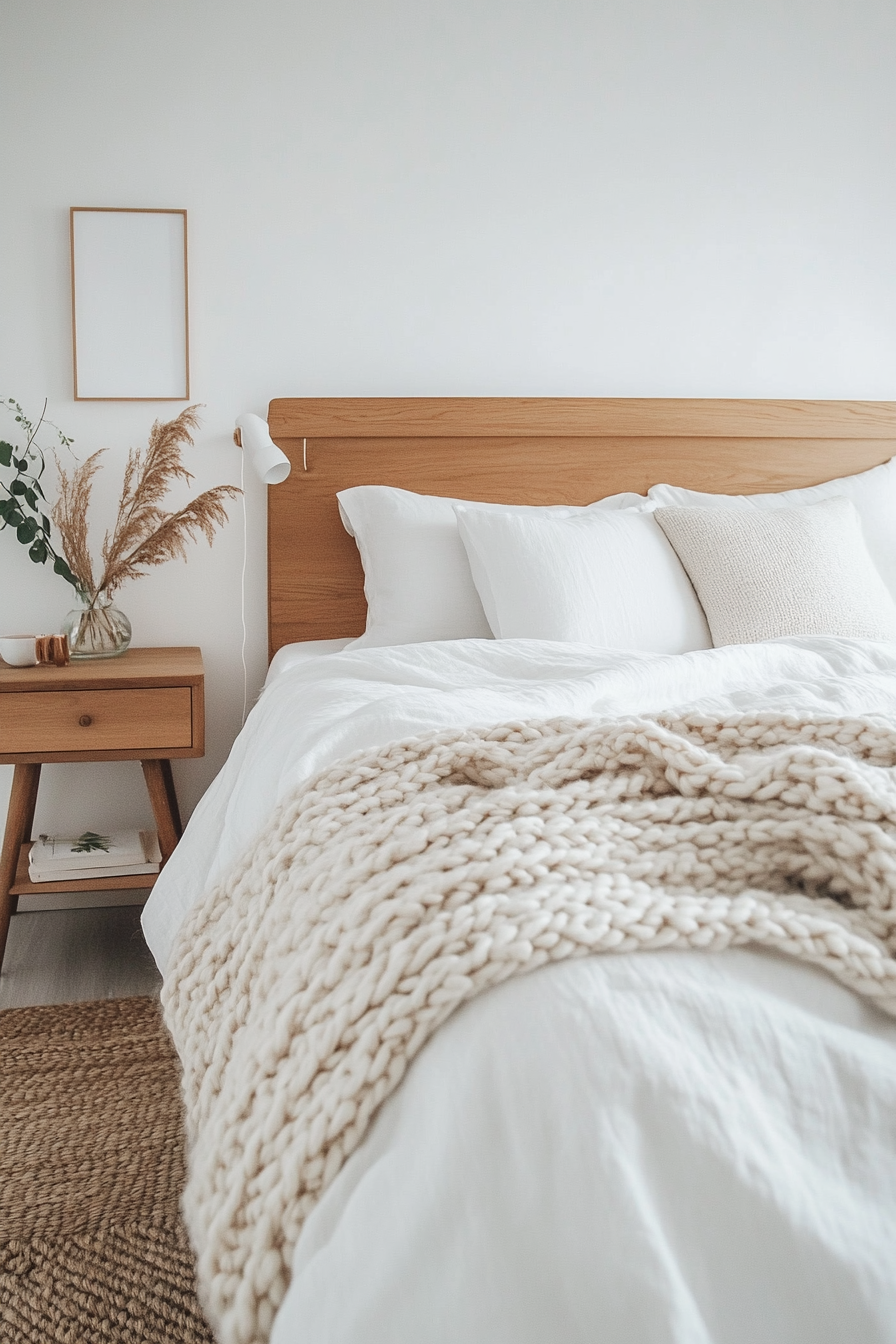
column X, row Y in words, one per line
column 119, row 854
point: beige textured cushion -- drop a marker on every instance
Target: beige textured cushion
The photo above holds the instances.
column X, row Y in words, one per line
column 794, row 571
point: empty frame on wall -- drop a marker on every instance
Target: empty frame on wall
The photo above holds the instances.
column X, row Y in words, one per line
column 130, row 329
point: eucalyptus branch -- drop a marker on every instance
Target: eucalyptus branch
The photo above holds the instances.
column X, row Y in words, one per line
column 22, row 506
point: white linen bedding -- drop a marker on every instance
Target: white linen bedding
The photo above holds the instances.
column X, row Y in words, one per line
column 680, row 1146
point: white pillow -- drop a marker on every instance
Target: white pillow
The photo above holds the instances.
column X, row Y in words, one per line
column 873, row 493
column 764, row 574
column 417, row 577
column 608, row 578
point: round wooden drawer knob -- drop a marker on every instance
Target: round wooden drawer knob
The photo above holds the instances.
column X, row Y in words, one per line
column 85, row 720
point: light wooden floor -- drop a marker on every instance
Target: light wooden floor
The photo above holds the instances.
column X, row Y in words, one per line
column 62, row 956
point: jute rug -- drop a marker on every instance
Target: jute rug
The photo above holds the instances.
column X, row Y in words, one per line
column 91, row 1169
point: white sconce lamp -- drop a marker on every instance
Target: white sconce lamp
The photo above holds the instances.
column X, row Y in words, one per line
column 267, row 461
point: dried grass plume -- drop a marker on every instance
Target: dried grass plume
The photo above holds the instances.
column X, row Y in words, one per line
column 144, row 534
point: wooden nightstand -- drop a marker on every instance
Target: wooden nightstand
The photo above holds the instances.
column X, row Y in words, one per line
column 148, row 706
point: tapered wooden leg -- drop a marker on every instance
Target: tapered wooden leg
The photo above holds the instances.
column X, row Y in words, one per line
column 19, row 820
column 173, row 808
column 160, row 786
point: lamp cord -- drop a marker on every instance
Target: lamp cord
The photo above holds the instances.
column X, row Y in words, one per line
column 243, row 587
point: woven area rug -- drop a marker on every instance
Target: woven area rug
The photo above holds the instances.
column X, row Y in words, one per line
column 91, row 1169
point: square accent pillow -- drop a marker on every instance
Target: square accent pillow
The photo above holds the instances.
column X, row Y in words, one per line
column 768, row 573
column 873, row 492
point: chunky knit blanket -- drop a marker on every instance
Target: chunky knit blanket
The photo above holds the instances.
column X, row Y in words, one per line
column 402, row 882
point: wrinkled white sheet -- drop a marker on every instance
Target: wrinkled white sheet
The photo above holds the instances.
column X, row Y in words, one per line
column 667, row 1147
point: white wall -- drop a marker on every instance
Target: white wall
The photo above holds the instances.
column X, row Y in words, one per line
column 465, row 197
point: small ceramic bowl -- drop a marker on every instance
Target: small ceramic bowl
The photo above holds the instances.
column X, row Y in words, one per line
column 19, row 650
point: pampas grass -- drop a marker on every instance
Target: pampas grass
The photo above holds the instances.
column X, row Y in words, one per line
column 144, row 534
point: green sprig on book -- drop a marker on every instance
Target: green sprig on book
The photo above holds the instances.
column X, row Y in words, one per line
column 90, row 841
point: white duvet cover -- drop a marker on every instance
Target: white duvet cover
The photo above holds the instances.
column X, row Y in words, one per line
column 661, row 1147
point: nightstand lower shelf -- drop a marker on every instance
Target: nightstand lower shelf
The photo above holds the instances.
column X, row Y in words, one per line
column 23, row 886
column 146, row 705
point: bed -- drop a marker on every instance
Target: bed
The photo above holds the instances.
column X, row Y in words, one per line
column 548, row 1142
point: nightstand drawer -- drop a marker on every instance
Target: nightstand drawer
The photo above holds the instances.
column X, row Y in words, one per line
column 134, row 720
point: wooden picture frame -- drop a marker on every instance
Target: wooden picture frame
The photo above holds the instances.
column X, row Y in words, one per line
column 130, row 310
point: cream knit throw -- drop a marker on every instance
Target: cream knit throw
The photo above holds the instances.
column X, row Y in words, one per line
column 405, row 880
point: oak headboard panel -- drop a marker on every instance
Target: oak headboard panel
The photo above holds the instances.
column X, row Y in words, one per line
column 525, row 450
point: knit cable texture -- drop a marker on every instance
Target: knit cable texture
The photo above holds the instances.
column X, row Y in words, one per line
column 405, row 880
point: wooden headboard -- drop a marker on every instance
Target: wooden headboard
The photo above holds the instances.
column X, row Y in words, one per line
column 525, row 450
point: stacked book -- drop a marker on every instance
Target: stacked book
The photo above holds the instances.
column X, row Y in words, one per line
column 56, row 858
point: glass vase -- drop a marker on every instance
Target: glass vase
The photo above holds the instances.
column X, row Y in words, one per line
column 96, row 629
